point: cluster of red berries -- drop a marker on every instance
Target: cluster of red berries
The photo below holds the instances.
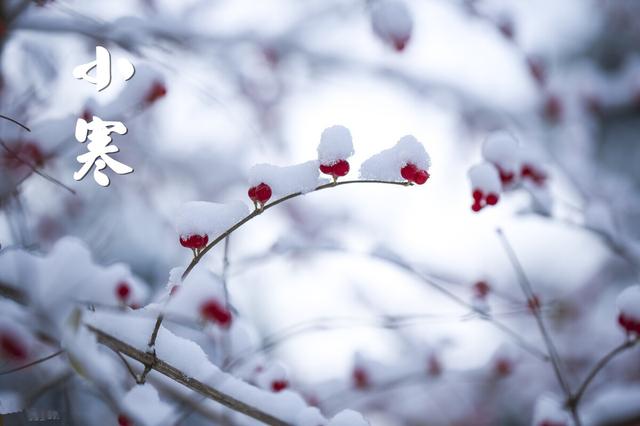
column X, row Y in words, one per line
column 212, row 310
column 631, row 325
column 260, row 194
column 481, row 200
column 534, row 174
column 413, row 174
column 12, row 347
column 338, row 169
column 194, row 241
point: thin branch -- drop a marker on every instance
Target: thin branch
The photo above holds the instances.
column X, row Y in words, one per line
column 529, row 294
column 180, row 377
column 31, row 364
column 246, row 219
column 15, row 122
column 34, row 169
column 628, row 344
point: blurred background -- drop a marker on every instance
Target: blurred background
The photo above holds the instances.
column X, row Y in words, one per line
column 339, row 281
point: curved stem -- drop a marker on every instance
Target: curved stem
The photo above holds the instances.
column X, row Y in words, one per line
column 575, row 399
column 246, row 219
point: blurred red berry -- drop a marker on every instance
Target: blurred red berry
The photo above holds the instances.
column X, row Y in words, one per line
column 360, row 378
column 533, row 303
column 434, row 367
column 478, row 195
column 503, row 367
column 537, row 69
column 212, row 310
column 481, row 289
column 124, row 420
column 492, row 199
column 123, row 291
column 630, row 325
column 12, row 347
column 194, row 241
column 279, row 385
column 156, row 91
column 553, row 108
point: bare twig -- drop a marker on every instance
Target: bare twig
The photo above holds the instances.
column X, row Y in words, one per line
column 31, row 364
column 530, row 295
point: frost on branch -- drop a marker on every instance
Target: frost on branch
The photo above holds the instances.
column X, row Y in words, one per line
column 334, row 149
column 196, row 221
column 392, row 23
column 285, row 180
column 548, row 412
column 629, row 305
column 406, row 161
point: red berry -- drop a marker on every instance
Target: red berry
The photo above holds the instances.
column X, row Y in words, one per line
column 279, row 385
column 252, row 193
column 399, row 43
column 263, row 193
column 212, row 310
column 630, row 325
column 503, row 367
column 360, row 378
column 194, row 241
column 156, row 91
column 124, row 420
column 533, row 303
column 434, row 366
column 476, row 207
column 12, row 347
column 478, row 195
column 553, row 108
column 123, row 291
column 481, row 289
column 86, row 115
column 409, row 172
column 326, row 169
column 341, row 168
column 506, row 177
column 421, row 177
column 492, row 199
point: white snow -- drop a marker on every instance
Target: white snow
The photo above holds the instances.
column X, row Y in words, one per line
column 288, row 179
column 335, row 144
column 613, row 405
column 391, row 20
column 199, row 286
column 501, row 149
column 485, row 177
column 548, row 409
column 348, row 418
column 143, row 404
column 206, row 218
column 386, row 165
column 628, row 302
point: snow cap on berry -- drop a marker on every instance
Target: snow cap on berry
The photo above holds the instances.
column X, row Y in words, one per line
column 501, row 149
column 392, row 22
column 206, row 218
column 628, row 302
column 548, row 410
column 286, row 180
column 387, row 165
column 348, row 418
column 335, row 144
column 485, row 177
